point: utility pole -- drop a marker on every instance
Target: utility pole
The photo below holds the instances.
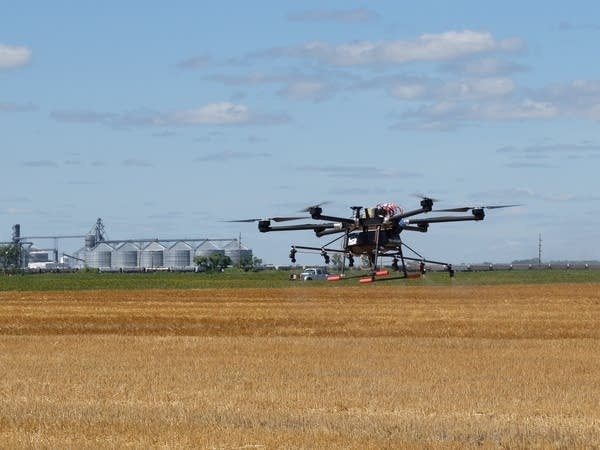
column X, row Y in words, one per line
column 540, row 250
column 240, row 251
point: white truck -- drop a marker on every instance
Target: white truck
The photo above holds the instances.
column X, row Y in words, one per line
column 314, row 273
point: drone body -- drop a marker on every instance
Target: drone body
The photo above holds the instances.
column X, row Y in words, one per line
column 373, row 232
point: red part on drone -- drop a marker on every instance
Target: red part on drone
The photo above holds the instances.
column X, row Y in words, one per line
column 334, row 278
column 366, row 280
column 382, row 273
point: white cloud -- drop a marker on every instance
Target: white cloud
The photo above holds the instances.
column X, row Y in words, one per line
column 479, row 88
column 224, row 113
column 427, row 47
column 407, row 89
column 195, row 62
column 306, row 90
column 523, row 109
column 580, row 98
column 486, row 66
column 12, row 57
column 451, row 104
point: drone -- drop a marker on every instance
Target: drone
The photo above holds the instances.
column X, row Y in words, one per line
column 374, row 233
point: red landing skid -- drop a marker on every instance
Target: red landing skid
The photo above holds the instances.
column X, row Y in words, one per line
column 380, row 275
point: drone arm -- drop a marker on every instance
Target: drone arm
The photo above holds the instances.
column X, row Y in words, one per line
column 333, row 219
column 319, row 249
column 426, row 206
column 265, row 226
column 421, row 227
column 477, row 215
column 335, row 230
column 315, row 213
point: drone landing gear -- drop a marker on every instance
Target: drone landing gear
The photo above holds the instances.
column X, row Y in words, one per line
column 399, row 263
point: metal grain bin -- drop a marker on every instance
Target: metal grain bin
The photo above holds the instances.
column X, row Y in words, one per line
column 237, row 252
column 152, row 255
column 208, row 249
column 90, row 241
column 179, row 255
column 99, row 257
column 126, row 256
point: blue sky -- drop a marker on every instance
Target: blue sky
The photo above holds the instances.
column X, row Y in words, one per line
column 165, row 118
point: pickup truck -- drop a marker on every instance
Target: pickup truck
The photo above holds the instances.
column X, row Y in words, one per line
column 314, row 273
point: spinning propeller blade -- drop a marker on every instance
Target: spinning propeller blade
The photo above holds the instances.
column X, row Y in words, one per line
column 425, row 197
column 274, row 219
column 469, row 208
column 309, row 208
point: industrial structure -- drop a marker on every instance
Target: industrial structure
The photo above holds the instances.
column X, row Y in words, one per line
column 137, row 254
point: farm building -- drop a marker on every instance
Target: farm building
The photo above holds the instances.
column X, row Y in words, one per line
column 137, row 254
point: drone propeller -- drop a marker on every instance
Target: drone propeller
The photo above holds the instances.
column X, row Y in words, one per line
column 312, row 207
column 425, row 197
column 468, row 208
column 274, row 219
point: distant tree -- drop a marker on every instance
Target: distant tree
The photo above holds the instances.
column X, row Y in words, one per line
column 337, row 261
column 225, row 261
column 213, row 262
column 10, row 255
column 201, row 261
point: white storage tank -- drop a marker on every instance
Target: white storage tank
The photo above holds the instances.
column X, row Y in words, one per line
column 99, row 257
column 90, row 241
column 208, row 249
column 237, row 252
column 179, row 255
column 152, row 255
column 126, row 256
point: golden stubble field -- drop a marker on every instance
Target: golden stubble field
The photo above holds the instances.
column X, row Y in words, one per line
column 386, row 366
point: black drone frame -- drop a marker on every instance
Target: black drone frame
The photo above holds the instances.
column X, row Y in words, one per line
column 382, row 229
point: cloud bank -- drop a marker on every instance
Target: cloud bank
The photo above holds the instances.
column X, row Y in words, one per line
column 220, row 114
column 427, row 47
column 13, row 57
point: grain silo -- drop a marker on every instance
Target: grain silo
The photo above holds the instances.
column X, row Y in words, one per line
column 100, row 256
column 152, row 255
column 126, row 256
column 179, row 255
column 237, row 252
column 90, row 241
column 208, row 249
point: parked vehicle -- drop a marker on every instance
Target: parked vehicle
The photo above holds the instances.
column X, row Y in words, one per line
column 314, row 273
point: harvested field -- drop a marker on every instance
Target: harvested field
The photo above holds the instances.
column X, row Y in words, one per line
column 387, row 366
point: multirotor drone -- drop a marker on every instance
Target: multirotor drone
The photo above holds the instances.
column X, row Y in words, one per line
column 373, row 233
